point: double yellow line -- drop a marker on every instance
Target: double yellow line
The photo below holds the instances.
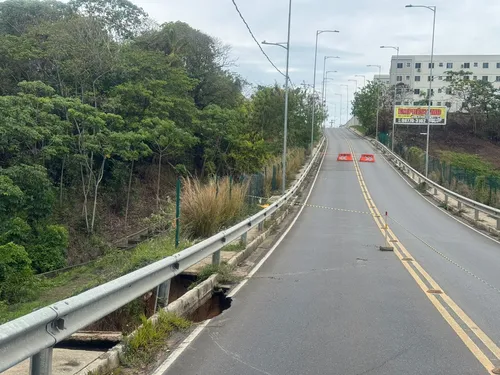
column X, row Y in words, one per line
column 461, row 323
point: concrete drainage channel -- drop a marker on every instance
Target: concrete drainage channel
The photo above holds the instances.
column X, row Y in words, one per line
column 205, row 301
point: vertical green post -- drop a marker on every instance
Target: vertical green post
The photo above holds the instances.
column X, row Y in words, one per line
column 216, row 186
column 273, row 183
column 177, row 210
column 230, row 186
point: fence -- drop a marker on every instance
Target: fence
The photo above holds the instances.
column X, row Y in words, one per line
column 480, row 187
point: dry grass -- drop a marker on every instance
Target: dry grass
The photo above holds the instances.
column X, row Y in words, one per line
column 295, row 160
column 206, row 208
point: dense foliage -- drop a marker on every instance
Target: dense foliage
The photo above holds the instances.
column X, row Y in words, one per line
column 92, row 94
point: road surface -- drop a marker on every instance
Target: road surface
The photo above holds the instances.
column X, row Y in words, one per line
column 327, row 301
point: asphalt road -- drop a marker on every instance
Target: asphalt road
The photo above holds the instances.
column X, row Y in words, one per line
column 327, row 301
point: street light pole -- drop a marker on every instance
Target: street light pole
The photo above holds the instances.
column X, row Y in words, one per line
column 285, row 125
column 378, row 98
column 364, row 78
column 395, row 92
column 340, row 109
column 355, row 91
column 324, row 73
column 318, row 33
column 433, row 8
column 326, row 89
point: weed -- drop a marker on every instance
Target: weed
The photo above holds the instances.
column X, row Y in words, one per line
column 237, row 246
column 141, row 347
column 224, row 271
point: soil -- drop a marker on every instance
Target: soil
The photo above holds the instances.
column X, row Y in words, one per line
column 452, row 138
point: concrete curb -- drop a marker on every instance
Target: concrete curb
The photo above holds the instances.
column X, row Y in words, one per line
column 189, row 301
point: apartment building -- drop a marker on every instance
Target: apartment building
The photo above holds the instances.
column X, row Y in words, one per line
column 384, row 78
column 414, row 71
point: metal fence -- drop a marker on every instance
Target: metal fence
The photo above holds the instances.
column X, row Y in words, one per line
column 34, row 335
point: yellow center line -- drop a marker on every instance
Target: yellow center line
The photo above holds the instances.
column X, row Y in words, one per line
column 404, row 253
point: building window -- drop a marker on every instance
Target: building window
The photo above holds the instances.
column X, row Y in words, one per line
column 498, row 65
column 466, row 78
column 399, row 78
column 408, row 65
column 485, row 78
column 440, row 78
column 486, row 65
column 449, row 65
column 475, row 65
column 418, row 65
column 467, row 65
column 448, row 104
column 407, row 78
column 440, row 65
column 497, row 79
column 400, row 65
column 417, row 78
column 431, row 65
column 439, row 103
column 448, row 91
column 416, row 91
column 440, row 91
column 474, row 78
column 429, row 78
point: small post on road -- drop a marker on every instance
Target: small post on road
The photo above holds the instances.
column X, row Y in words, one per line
column 41, row 363
column 387, row 246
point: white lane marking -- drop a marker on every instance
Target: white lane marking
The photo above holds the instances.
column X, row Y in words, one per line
column 180, row 349
column 163, row 368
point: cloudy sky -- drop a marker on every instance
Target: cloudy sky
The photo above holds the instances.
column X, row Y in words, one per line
column 462, row 27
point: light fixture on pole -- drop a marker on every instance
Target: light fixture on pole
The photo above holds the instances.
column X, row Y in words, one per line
column 378, row 97
column 431, row 78
column 318, row 33
column 285, row 125
column 395, row 92
column 340, row 109
column 364, row 78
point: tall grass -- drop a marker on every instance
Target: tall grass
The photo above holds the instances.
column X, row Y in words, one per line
column 206, row 208
column 294, row 161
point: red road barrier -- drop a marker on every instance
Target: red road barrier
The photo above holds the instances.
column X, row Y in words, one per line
column 367, row 158
column 344, row 157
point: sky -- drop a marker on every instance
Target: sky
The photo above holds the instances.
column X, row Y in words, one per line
column 462, row 27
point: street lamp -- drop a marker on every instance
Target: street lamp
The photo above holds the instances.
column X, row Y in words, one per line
column 340, row 109
column 378, row 97
column 364, row 78
column 433, row 9
column 318, row 33
column 285, row 125
column 326, row 89
column 324, row 73
column 395, row 91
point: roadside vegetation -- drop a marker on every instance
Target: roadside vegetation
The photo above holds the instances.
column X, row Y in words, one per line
column 101, row 110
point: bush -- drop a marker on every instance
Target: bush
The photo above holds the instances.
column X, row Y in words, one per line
column 481, row 191
column 17, row 283
column 49, row 251
column 206, row 208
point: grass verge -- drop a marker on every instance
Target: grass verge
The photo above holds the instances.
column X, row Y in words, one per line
column 224, row 271
column 142, row 347
column 112, row 265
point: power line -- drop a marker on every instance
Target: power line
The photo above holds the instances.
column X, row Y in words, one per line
column 253, row 37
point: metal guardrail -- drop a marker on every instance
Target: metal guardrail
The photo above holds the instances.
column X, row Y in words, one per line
column 462, row 201
column 35, row 334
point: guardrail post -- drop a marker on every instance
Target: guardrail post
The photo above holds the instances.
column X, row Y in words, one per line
column 498, row 224
column 261, row 226
column 435, row 191
column 446, row 199
column 459, row 205
column 41, row 363
column 162, row 295
column 476, row 215
column 216, row 257
column 243, row 239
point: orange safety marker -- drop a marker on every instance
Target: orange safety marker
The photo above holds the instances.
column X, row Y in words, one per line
column 367, row 158
column 344, row 157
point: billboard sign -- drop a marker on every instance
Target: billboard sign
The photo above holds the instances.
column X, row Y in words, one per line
column 417, row 115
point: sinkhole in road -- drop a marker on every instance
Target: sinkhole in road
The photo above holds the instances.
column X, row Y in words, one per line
column 215, row 305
